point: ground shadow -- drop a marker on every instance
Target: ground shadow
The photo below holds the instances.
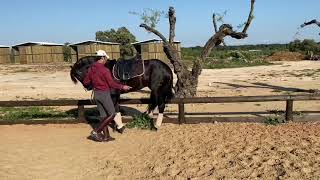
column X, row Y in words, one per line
column 92, row 115
column 268, row 86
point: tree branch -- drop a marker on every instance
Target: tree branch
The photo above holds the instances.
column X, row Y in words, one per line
column 214, row 21
column 172, row 21
column 168, row 48
column 310, row 22
column 250, row 17
column 226, row 30
column 154, row 31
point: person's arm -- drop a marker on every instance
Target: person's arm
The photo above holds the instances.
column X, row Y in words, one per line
column 111, row 82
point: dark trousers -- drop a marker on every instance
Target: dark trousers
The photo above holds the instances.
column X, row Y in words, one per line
column 104, row 103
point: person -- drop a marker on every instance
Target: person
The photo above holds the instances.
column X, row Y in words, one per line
column 101, row 79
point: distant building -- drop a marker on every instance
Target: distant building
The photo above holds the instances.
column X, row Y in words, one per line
column 153, row 49
column 89, row 48
column 5, row 54
column 37, row 52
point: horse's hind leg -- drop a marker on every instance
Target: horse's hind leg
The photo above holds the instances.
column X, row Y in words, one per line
column 118, row 118
column 153, row 104
column 164, row 94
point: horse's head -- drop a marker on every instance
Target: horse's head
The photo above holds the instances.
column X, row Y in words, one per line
column 79, row 69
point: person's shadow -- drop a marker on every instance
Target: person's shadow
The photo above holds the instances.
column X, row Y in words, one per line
column 92, row 115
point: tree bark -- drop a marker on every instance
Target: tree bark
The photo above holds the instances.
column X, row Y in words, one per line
column 187, row 81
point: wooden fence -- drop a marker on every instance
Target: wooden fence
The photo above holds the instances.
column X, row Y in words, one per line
column 179, row 101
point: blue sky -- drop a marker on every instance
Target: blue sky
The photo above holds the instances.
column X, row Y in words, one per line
column 59, row 21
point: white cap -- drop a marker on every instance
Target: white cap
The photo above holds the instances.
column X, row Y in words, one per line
column 102, row 53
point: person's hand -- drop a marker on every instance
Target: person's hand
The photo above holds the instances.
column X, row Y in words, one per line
column 126, row 88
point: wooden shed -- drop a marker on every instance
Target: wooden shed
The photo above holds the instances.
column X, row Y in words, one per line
column 153, row 49
column 5, row 54
column 37, row 52
column 89, row 48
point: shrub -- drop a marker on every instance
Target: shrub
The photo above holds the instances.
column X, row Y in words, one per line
column 274, row 120
column 141, row 121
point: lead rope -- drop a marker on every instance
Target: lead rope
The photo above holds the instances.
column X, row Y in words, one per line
column 91, row 98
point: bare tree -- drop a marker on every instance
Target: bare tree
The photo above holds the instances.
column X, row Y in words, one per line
column 314, row 21
column 187, row 82
column 215, row 26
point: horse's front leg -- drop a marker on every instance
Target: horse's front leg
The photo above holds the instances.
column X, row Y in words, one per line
column 151, row 112
column 160, row 115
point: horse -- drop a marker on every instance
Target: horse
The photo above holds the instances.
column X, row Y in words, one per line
column 137, row 73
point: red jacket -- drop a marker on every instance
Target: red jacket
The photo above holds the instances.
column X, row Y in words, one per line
column 101, row 78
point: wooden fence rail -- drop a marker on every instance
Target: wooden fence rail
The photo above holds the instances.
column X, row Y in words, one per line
column 180, row 101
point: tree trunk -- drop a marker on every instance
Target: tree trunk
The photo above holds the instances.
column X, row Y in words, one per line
column 186, row 85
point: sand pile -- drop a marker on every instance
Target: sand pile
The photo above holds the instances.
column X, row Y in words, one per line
column 285, row 56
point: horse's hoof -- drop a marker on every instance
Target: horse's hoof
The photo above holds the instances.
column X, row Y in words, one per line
column 154, row 129
column 121, row 130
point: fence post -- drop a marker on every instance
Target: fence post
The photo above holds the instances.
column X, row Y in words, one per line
column 81, row 113
column 181, row 112
column 289, row 110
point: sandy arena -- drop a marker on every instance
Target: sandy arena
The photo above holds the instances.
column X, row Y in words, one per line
column 189, row 151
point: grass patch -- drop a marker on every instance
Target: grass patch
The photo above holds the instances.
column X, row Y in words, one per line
column 23, row 113
column 274, row 120
column 141, row 121
column 278, row 117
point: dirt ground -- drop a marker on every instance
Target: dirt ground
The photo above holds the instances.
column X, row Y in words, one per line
column 201, row 151
column 197, row 151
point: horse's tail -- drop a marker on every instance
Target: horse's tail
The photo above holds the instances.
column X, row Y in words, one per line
column 72, row 74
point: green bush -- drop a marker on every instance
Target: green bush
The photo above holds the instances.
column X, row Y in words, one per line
column 141, row 121
column 304, row 46
column 274, row 120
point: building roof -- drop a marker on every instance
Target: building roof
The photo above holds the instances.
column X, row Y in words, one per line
column 150, row 41
column 38, row 43
column 3, row 46
column 94, row 42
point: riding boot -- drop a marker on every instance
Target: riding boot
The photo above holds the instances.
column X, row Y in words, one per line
column 104, row 123
column 107, row 136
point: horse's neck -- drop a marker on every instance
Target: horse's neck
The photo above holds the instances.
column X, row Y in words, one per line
column 110, row 64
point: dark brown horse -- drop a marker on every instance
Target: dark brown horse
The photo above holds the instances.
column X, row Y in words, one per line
column 153, row 73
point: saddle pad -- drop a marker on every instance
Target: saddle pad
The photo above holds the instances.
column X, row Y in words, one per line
column 126, row 69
